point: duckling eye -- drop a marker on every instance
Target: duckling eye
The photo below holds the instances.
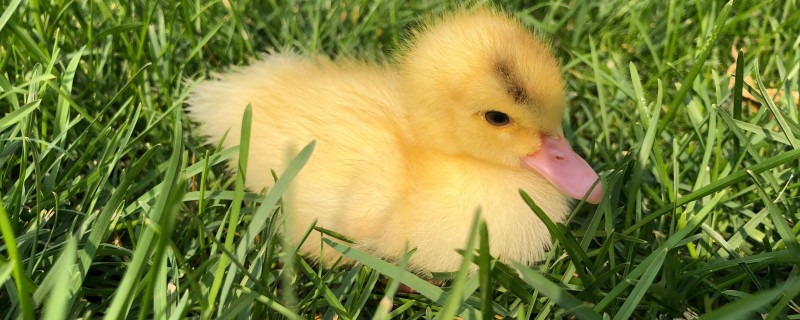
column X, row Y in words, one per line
column 497, row 118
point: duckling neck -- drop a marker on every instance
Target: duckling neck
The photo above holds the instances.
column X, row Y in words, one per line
column 464, row 177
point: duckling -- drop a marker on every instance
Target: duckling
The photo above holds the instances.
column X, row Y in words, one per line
column 407, row 151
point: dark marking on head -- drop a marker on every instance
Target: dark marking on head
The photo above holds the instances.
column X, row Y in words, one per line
column 513, row 84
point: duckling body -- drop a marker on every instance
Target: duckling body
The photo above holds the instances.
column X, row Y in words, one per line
column 404, row 153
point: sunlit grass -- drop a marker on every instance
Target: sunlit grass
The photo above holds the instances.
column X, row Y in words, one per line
column 112, row 207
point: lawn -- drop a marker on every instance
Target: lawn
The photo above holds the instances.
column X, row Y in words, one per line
column 112, row 207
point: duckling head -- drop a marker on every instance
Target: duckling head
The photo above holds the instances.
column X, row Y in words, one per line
column 478, row 84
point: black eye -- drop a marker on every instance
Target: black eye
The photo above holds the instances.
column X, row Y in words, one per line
column 497, row 118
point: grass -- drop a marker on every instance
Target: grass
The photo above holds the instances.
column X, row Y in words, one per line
column 112, row 208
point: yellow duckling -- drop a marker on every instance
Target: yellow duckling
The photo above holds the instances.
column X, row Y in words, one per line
column 406, row 153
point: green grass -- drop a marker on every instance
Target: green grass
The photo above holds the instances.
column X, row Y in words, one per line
column 112, row 207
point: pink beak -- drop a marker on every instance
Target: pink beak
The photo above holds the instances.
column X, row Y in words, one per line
column 565, row 169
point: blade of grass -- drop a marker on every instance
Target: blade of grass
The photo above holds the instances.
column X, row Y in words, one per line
column 17, row 115
column 274, row 305
column 157, row 278
column 484, row 273
column 556, row 293
column 57, row 303
column 559, row 232
column 651, row 259
column 644, row 283
column 718, row 185
column 358, row 305
column 646, row 145
column 758, row 130
column 8, row 12
column 268, row 202
column 233, row 219
column 747, row 305
column 455, row 300
column 775, row 257
column 100, row 230
column 423, row 287
column 385, row 305
column 776, row 112
column 738, row 90
column 698, row 63
column 716, row 236
column 778, row 221
column 194, row 169
column 20, row 278
column 790, row 290
column 601, row 94
column 62, row 107
column 181, row 308
column 5, row 270
column 123, row 295
column 327, row 294
column 205, row 40
column 241, row 304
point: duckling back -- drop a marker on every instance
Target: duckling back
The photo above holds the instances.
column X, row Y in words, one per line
column 349, row 108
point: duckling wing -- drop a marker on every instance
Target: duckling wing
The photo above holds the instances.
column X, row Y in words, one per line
column 352, row 111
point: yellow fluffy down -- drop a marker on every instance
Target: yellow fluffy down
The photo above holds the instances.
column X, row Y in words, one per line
column 404, row 153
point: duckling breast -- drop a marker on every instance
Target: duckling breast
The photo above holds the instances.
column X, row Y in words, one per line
column 444, row 193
